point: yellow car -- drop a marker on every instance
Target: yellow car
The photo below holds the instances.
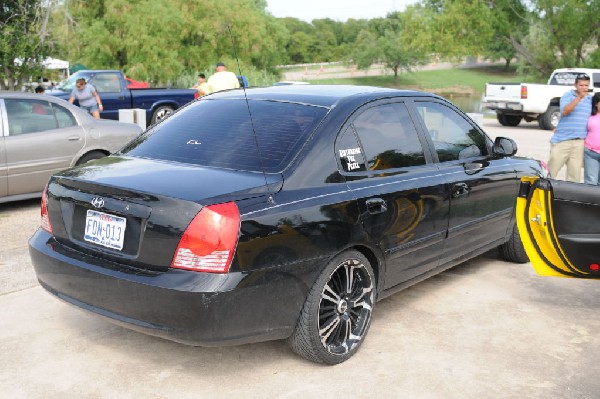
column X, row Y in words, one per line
column 559, row 224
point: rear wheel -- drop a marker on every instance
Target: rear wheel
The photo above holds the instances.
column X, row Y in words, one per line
column 513, row 250
column 337, row 313
column 509, row 120
column 161, row 113
column 549, row 119
column 90, row 156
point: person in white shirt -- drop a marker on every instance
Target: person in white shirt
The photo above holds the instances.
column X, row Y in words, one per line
column 222, row 79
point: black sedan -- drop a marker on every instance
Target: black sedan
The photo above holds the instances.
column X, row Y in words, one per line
column 281, row 212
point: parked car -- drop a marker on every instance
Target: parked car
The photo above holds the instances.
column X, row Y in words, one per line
column 41, row 135
column 514, row 102
column 559, row 224
column 113, row 88
column 286, row 213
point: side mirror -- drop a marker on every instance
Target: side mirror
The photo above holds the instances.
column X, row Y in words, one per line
column 505, row 147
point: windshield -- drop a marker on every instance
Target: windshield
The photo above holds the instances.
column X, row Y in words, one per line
column 69, row 83
column 220, row 133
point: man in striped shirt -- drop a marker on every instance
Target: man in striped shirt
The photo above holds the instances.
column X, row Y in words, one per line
column 566, row 145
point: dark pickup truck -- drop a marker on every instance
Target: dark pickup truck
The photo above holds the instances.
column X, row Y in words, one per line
column 112, row 89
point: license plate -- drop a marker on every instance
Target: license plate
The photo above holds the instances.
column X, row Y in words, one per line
column 104, row 229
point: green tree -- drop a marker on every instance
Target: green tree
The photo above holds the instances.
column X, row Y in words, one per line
column 23, row 43
column 159, row 41
column 510, row 22
column 390, row 41
column 560, row 35
column 458, row 28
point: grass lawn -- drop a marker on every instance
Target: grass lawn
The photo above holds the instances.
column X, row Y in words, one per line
column 461, row 81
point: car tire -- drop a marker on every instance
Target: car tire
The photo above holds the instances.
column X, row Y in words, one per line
column 161, row 113
column 90, row 156
column 337, row 313
column 513, row 250
column 509, row 120
column 549, row 119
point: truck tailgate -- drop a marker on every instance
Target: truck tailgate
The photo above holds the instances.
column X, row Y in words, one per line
column 503, row 91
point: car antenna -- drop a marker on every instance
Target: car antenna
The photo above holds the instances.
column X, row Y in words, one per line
column 260, row 158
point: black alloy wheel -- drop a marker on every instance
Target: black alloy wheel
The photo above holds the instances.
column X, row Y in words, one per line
column 338, row 311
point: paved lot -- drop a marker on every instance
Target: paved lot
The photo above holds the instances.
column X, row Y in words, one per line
column 485, row 329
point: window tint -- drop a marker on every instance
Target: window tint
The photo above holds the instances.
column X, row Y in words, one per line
column 453, row 136
column 29, row 116
column 388, row 137
column 596, row 78
column 220, row 133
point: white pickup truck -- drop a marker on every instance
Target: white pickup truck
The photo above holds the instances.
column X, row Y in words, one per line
column 514, row 102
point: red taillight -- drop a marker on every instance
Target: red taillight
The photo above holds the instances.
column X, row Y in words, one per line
column 209, row 242
column 45, row 222
column 523, row 92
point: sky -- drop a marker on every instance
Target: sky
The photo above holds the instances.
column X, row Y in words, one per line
column 338, row 10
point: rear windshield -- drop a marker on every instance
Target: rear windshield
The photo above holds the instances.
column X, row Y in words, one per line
column 564, row 78
column 220, row 133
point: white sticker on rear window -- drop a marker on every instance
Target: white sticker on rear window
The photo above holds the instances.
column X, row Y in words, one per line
column 349, row 154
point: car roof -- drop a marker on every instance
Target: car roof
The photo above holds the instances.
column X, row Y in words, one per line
column 24, row 94
column 320, row 95
column 36, row 96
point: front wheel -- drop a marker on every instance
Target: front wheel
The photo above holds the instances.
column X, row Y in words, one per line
column 161, row 113
column 337, row 313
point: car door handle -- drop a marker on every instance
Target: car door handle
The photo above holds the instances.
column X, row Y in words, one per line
column 472, row 167
column 73, row 138
column 460, row 190
column 376, row 205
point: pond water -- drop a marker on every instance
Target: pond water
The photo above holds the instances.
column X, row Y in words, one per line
column 467, row 103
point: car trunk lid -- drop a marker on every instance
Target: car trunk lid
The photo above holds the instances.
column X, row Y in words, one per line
column 101, row 211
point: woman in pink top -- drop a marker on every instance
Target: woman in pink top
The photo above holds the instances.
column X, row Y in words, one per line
column 591, row 155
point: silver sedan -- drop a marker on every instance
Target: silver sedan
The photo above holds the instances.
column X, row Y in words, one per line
column 41, row 135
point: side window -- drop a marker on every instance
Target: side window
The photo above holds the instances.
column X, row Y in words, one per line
column 29, row 116
column 389, row 138
column 596, row 78
column 63, row 116
column 349, row 152
column 107, row 83
column 453, row 136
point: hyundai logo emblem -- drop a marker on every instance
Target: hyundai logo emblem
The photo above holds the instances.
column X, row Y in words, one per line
column 98, row 202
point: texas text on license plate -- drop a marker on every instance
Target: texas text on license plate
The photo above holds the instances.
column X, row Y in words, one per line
column 104, row 229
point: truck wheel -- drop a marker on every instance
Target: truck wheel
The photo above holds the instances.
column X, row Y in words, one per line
column 509, row 120
column 161, row 113
column 337, row 314
column 549, row 119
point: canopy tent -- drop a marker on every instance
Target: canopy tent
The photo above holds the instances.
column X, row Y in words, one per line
column 55, row 63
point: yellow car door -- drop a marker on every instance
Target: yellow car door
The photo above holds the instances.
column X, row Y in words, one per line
column 559, row 224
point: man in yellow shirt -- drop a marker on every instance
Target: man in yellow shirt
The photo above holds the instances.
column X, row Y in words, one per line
column 223, row 79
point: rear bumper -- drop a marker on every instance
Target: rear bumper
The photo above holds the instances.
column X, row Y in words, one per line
column 192, row 308
column 503, row 106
